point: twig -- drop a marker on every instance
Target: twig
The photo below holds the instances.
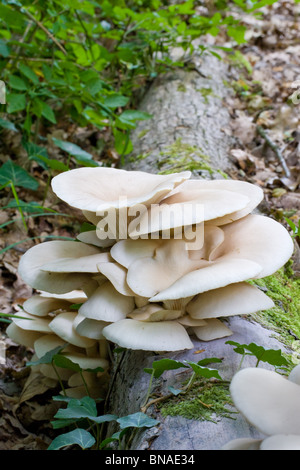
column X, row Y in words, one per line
column 43, row 28
column 275, row 149
column 155, row 400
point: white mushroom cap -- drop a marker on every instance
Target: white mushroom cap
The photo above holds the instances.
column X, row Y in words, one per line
column 295, row 375
column 32, row 262
column 125, row 252
column 90, row 237
column 86, row 362
column 253, row 192
column 210, row 204
column 236, row 299
column 107, row 304
column 82, row 264
column 32, row 323
column 268, row 401
column 188, row 321
column 42, row 306
column 213, row 329
column 117, row 275
column 24, row 337
column 148, row 336
column 89, row 328
column 48, row 342
column 148, row 276
column 154, row 312
column 243, row 443
column 63, row 326
column 281, row 442
column 254, row 246
column 99, row 189
column 213, row 276
column 257, row 238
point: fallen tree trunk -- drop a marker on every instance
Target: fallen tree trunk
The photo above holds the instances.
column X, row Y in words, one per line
column 189, row 125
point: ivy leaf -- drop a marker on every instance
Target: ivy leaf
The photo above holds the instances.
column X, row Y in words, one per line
column 12, row 173
column 48, row 357
column 271, row 356
column 137, row 420
column 175, row 391
column 78, row 436
column 204, row 371
column 164, row 364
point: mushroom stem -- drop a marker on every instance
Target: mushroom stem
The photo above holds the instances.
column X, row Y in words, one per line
column 103, row 349
column 92, row 350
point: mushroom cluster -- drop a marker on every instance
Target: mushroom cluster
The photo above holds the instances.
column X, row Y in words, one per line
column 271, row 403
column 48, row 322
column 167, row 257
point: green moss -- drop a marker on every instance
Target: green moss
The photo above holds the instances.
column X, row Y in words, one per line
column 181, row 87
column 181, row 156
column 205, row 401
column 206, row 92
column 142, row 133
column 284, row 289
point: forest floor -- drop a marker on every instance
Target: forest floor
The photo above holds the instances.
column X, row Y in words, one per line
column 266, row 123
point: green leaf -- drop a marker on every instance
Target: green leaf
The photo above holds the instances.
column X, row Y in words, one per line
column 164, row 364
column 48, row 357
column 12, row 173
column 78, row 436
column 11, row 17
column 15, row 102
column 4, row 50
column 29, row 73
column 17, row 83
column 123, row 144
column 8, row 125
column 84, row 408
column 271, row 356
column 75, row 151
column 237, row 33
column 204, row 371
column 129, row 117
column 52, row 163
column 47, row 113
column 173, row 390
column 137, row 420
column 116, row 101
column 66, row 363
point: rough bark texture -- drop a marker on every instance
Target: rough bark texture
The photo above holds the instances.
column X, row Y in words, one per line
column 183, row 112
column 188, row 108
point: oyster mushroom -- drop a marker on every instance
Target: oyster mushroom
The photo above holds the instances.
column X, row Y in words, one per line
column 253, row 247
column 100, row 189
column 271, row 403
column 149, row 336
column 191, row 203
column 59, row 266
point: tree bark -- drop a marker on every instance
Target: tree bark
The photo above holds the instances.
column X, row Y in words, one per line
column 189, row 107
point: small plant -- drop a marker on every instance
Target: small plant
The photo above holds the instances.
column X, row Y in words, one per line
column 273, row 357
column 198, row 369
column 295, row 228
